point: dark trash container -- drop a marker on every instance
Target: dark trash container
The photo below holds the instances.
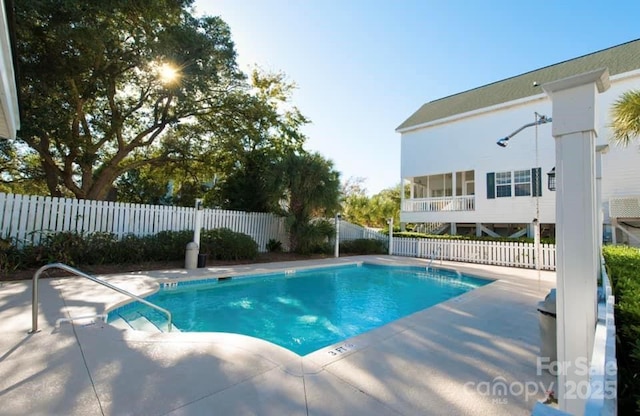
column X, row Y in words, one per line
column 202, row 261
column 547, row 316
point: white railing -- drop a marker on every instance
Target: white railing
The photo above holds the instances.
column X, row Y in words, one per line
column 27, row 218
column 445, row 203
column 350, row 232
column 497, row 253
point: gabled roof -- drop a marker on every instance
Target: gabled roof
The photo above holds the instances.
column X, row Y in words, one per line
column 619, row 59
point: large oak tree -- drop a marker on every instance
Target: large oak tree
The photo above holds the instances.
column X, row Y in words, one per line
column 115, row 85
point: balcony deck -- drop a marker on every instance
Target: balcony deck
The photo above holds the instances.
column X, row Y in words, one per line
column 439, row 204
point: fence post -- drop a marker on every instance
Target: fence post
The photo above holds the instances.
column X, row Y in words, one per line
column 390, row 222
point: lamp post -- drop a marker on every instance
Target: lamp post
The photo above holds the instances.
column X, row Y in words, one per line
column 337, row 243
column 390, row 222
column 197, row 221
column 504, row 142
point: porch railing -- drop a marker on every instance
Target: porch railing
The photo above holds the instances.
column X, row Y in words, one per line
column 445, row 203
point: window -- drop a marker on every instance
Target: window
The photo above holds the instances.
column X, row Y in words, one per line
column 522, row 182
column 517, row 183
column 503, row 184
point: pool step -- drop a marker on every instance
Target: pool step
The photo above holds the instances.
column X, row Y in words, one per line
column 141, row 323
column 120, row 323
column 138, row 322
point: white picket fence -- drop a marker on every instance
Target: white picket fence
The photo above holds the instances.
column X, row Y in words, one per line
column 350, row 232
column 497, row 253
column 26, row 218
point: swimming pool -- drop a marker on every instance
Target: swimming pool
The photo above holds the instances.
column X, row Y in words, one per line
column 303, row 310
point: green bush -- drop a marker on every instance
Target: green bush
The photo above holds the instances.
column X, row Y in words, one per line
column 364, row 246
column 166, row 245
column 65, row 247
column 312, row 237
column 274, row 246
column 10, row 259
column 78, row 249
column 224, row 244
column 623, row 266
column 99, row 249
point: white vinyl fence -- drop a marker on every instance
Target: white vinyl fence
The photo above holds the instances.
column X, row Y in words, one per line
column 27, row 218
column 497, row 253
column 350, row 232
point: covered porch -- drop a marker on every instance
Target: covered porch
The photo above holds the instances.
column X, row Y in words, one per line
column 452, row 191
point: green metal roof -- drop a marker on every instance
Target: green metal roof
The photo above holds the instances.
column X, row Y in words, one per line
column 619, row 59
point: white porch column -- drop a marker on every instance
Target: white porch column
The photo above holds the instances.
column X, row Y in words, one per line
column 574, row 128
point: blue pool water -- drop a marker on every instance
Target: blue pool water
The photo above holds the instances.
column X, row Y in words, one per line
column 304, row 310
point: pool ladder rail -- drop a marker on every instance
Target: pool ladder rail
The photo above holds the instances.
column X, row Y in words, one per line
column 433, row 257
column 62, row 266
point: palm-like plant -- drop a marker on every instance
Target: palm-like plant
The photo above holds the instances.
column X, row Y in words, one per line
column 625, row 114
column 313, row 188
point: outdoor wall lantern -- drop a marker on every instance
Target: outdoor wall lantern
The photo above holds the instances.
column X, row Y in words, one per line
column 552, row 179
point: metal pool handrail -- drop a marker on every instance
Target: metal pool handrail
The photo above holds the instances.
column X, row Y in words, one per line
column 34, row 297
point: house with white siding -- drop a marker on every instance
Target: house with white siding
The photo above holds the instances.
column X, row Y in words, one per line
column 462, row 181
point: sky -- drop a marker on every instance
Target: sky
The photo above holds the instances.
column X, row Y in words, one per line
column 364, row 66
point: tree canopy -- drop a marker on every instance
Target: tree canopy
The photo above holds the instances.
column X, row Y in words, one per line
column 146, row 99
column 112, row 86
column 373, row 211
column 625, row 114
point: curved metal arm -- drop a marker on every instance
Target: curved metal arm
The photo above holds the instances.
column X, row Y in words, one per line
column 34, row 297
column 541, row 120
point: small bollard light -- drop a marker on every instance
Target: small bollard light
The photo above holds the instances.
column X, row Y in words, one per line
column 337, row 243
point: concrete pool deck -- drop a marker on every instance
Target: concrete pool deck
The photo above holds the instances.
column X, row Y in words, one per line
column 456, row 358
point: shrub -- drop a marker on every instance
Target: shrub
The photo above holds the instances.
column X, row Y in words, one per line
column 274, row 246
column 364, row 246
column 65, row 247
column 623, row 266
column 10, row 256
column 77, row 249
column 99, row 249
column 312, row 237
column 224, row 244
column 167, row 245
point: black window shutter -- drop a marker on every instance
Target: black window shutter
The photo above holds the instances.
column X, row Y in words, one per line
column 536, row 181
column 491, row 185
